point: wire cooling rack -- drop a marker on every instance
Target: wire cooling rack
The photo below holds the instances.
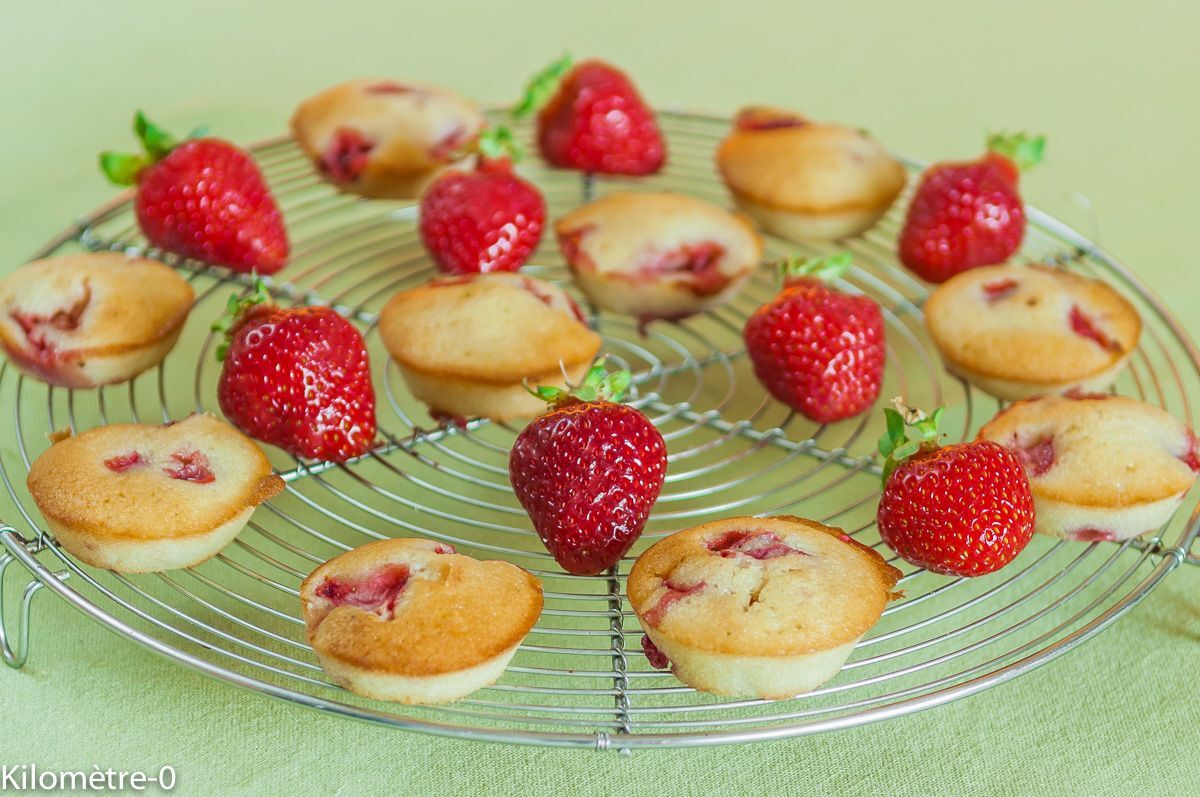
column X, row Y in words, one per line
column 580, row 679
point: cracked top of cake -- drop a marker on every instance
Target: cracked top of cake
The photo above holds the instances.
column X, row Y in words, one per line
column 746, row 586
column 1031, row 323
column 1098, row 450
column 417, row 607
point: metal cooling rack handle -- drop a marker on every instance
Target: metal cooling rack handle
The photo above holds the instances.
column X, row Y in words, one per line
column 15, row 647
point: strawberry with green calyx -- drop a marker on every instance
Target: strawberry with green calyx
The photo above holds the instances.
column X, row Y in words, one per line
column 588, row 471
column 964, row 509
column 486, row 219
column 298, row 378
column 816, row 349
column 965, row 215
column 203, row 198
column 590, row 117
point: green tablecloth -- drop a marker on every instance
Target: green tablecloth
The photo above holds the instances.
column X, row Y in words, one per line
column 1112, row 84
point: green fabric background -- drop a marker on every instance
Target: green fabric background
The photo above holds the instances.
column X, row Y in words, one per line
column 1111, row 83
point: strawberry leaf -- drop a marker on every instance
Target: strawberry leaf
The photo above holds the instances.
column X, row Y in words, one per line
column 825, row 269
column 899, row 442
column 1024, row 150
column 157, row 142
column 234, row 308
column 497, row 143
column 597, row 385
column 121, row 168
column 541, row 87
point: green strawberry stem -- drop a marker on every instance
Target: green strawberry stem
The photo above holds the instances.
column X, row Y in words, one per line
column 597, row 385
column 498, row 143
column 234, row 308
column 541, row 86
column 123, row 168
column 826, row 268
column 898, row 443
column 1024, row 150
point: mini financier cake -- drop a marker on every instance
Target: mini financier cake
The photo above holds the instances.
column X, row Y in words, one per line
column 1101, row 467
column 657, row 255
column 412, row 621
column 1022, row 331
column 801, row 179
column 766, row 607
column 91, row 319
column 466, row 344
column 138, row 498
column 385, row 138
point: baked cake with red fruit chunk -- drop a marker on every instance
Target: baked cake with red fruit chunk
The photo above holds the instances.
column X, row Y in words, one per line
column 758, row 607
column 413, row 621
column 657, row 255
column 467, row 345
column 137, row 498
column 91, row 319
column 1019, row 331
column 801, row 179
column 385, row 138
column 1101, row 467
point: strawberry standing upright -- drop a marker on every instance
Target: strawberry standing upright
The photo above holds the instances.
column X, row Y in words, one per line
column 588, row 472
column 590, row 117
column 488, row 219
column 969, row 214
column 964, row 509
column 202, row 198
column 297, row 378
column 819, row 351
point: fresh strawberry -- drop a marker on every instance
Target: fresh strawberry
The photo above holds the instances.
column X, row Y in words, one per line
column 963, row 509
column 819, row 351
column 202, row 198
column 588, row 471
column 484, row 220
column 965, row 215
column 297, row 378
column 595, row 121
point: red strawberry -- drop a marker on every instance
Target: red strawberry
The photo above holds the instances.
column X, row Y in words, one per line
column 297, row 378
column 819, row 351
column 963, row 509
column 595, row 121
column 588, row 471
column 965, row 215
column 202, row 198
column 485, row 220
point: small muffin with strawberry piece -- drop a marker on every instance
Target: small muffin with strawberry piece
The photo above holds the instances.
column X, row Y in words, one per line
column 801, row 179
column 1020, row 331
column 137, row 498
column 86, row 320
column 1101, row 467
column 467, row 344
column 385, row 138
column 414, row 622
column 758, row 607
column 657, row 255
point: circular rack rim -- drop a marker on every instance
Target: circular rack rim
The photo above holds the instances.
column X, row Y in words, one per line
column 26, row 550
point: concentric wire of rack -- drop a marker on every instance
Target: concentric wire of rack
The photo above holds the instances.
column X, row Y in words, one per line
column 580, row 679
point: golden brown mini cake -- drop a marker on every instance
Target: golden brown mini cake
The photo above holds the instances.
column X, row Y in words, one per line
column 758, row 607
column 657, row 255
column 137, row 498
column 91, row 319
column 1022, row 331
column 801, row 179
column 414, row 622
column 467, row 344
column 1101, row 467
column 385, row 138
